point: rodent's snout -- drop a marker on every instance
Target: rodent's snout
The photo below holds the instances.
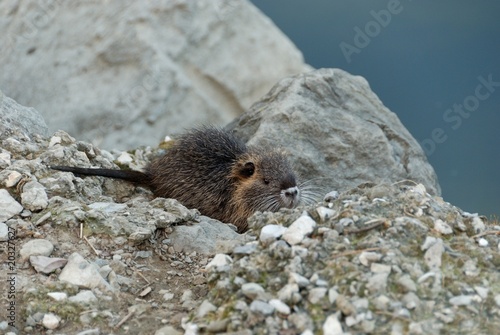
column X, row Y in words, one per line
column 291, row 196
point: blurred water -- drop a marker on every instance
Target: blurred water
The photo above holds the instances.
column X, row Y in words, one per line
column 421, row 58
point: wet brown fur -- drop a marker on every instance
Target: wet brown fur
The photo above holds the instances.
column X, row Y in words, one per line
column 211, row 170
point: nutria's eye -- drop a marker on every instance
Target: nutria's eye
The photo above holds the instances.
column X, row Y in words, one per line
column 266, row 181
column 247, row 170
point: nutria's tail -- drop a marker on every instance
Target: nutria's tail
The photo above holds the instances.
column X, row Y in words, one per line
column 128, row 175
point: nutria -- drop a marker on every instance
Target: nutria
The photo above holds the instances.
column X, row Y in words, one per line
column 211, row 170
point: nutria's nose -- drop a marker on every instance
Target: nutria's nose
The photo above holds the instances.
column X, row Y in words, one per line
column 291, row 192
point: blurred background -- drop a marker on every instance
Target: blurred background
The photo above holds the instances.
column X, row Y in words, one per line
column 436, row 64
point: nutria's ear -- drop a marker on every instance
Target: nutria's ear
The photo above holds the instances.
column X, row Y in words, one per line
column 246, row 171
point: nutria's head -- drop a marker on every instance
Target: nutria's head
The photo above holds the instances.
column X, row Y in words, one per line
column 264, row 181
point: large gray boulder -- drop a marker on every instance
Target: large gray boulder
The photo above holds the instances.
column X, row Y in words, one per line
column 14, row 117
column 123, row 74
column 337, row 130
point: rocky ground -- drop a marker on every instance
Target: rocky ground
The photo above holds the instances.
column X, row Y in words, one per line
column 99, row 256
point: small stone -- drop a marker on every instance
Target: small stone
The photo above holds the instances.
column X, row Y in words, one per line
column 251, row 290
column 80, row 272
column 411, row 300
column 442, row 227
column 34, row 196
column 51, row 321
column 482, row 291
column 381, row 302
column 344, row 305
column 85, row 297
column 377, row 282
column 461, row 300
column 4, row 232
column 470, row 268
column 332, row 295
column 246, row 249
column 168, row 330
column 125, row 158
column 143, row 254
column 13, row 178
column 325, row 213
column 4, row 156
column 300, row 280
column 261, row 307
column 316, row 294
column 497, row 300
column 108, row 207
column 220, row 261
column 270, row 233
column 168, row 296
column 331, row 196
column 187, row 295
column 39, row 247
column 482, row 242
column 8, row 206
column 46, row 264
column 205, row 308
column 280, row 306
column 478, row 224
column 407, row 283
column 58, row 296
column 332, row 325
column 366, row 257
column 433, row 254
column 299, row 229
column 290, row 293
column 54, row 140
column 380, row 268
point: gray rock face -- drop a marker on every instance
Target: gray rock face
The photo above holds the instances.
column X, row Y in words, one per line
column 335, row 128
column 177, row 63
column 14, row 116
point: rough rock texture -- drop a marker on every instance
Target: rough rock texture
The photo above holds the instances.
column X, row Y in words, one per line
column 337, row 130
column 377, row 259
column 378, row 265
column 15, row 116
column 127, row 73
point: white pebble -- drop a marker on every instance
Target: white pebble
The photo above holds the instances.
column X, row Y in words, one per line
column 12, row 179
column 8, row 206
column 271, row 233
column 5, row 158
column 331, row 196
column 219, row 260
column 58, row 296
column 261, row 307
column 442, row 227
column 54, row 140
column 332, row 326
column 482, row 242
column 251, row 290
column 205, row 308
column 51, row 321
column 366, row 257
column 316, row 294
column 461, row 300
column 299, row 229
column 34, row 196
column 380, row 268
column 280, row 306
column 35, row 248
column 125, row 158
column 325, row 213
